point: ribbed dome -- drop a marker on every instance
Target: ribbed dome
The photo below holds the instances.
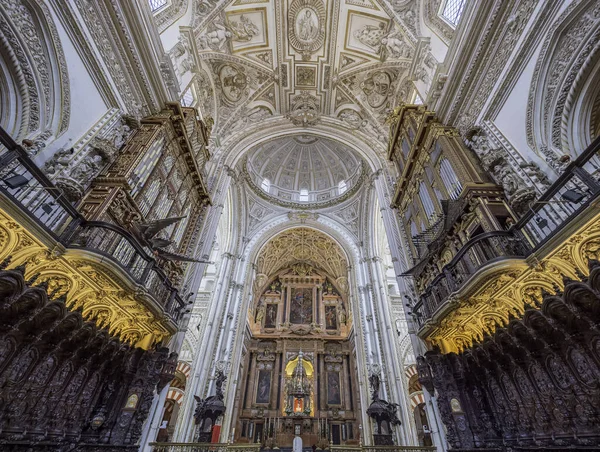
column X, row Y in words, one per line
column 304, row 168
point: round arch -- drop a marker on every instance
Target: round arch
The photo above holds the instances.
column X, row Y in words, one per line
column 232, row 151
column 34, row 83
column 564, row 85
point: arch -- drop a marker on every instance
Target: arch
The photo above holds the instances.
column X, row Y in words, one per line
column 416, row 399
column 282, row 223
column 34, row 83
column 234, row 149
column 184, row 368
column 565, row 83
column 410, row 371
column 176, row 395
column 317, row 248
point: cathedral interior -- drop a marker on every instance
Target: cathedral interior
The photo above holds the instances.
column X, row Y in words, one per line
column 299, row 225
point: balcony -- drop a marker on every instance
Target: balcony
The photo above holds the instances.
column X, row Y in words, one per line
column 205, row 447
column 27, row 188
column 572, row 197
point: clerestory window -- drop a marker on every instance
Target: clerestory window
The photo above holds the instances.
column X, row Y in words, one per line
column 187, row 98
column 303, row 195
column 418, row 100
column 155, row 5
column 452, row 10
column 342, row 187
column 266, row 185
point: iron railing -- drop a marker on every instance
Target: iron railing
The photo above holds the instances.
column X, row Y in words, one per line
column 572, row 193
column 397, row 449
column 28, row 188
column 204, row 447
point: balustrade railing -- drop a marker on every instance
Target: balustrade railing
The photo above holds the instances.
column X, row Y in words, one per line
column 576, row 188
column 22, row 182
column 204, row 447
column 573, row 192
column 398, row 449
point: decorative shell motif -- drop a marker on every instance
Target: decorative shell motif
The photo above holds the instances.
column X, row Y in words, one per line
column 306, row 25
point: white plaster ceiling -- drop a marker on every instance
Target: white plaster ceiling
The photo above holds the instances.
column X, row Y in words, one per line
column 306, row 62
column 285, row 166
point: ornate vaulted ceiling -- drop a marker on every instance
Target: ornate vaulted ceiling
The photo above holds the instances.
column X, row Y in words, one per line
column 302, row 245
column 305, row 62
column 285, row 167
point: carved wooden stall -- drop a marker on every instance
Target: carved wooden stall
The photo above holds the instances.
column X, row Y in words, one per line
column 533, row 383
column 66, row 383
column 93, row 295
column 513, row 337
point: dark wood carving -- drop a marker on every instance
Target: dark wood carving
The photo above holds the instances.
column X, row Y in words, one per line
column 534, row 383
column 64, row 382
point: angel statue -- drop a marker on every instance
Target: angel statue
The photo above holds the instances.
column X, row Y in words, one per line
column 147, row 234
column 395, row 47
column 244, row 30
column 216, row 38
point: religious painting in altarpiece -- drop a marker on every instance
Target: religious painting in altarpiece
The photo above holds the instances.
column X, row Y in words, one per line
column 301, row 312
column 263, row 387
column 334, row 396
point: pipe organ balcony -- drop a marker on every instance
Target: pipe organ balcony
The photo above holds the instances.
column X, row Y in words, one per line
column 120, row 254
column 473, row 258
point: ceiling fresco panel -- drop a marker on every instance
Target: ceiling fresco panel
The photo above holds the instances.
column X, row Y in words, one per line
column 310, row 62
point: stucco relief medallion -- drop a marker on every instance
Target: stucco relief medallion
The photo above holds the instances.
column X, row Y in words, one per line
column 234, row 83
column 377, row 87
column 306, row 25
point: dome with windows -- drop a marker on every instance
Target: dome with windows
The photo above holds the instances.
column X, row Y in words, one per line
column 304, row 170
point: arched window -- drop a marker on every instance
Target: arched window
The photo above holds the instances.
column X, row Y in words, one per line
column 342, row 186
column 303, row 195
column 266, row 185
column 451, row 10
column 155, row 5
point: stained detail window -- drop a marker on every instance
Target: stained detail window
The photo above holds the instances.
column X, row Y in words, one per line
column 157, row 4
column 452, row 10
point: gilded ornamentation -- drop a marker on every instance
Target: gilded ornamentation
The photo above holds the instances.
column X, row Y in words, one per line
column 479, row 312
column 302, row 269
column 99, row 291
column 302, row 245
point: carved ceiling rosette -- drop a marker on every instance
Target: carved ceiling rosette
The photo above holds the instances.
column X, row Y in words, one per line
column 306, row 26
